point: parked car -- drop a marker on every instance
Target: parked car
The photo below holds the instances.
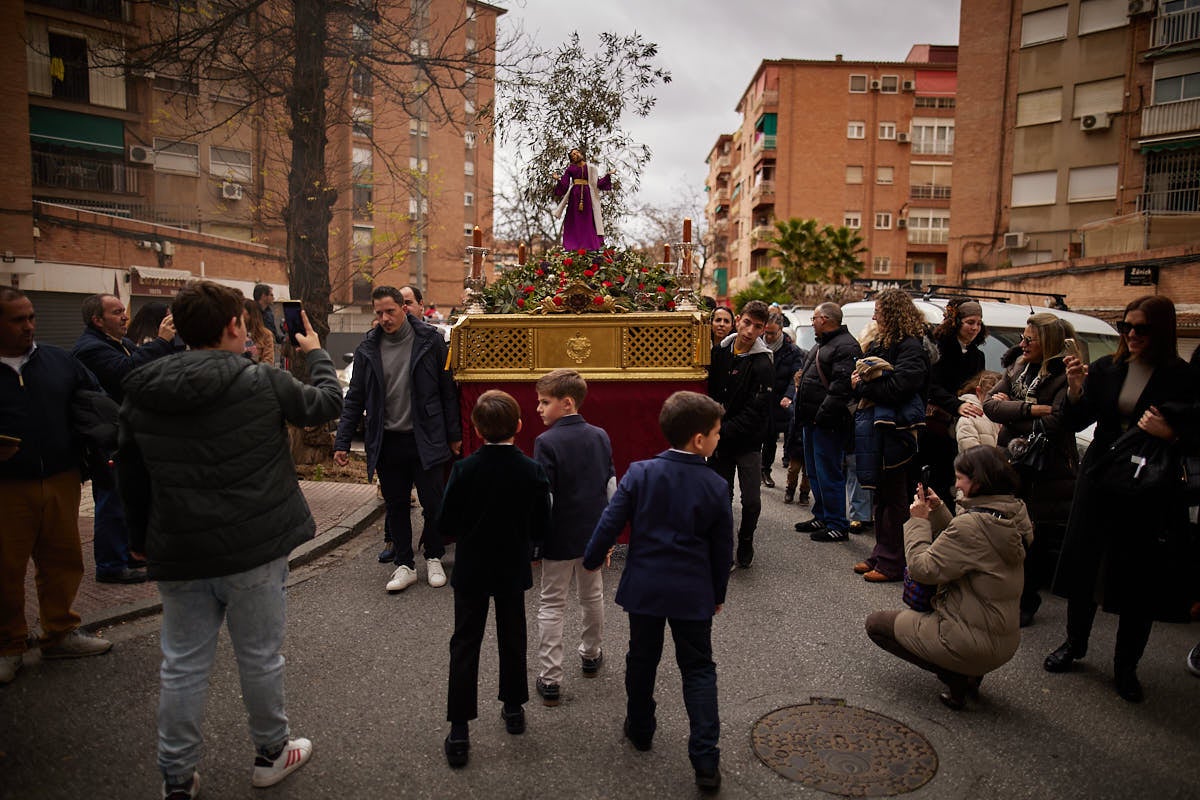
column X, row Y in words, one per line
column 1005, row 324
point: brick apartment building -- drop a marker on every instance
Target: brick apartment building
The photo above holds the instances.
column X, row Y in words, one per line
column 865, row 144
column 1081, row 119
column 120, row 182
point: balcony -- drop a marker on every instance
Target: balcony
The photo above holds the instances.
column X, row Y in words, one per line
column 763, row 192
column 769, row 97
column 1181, row 26
column 721, row 195
column 934, row 148
column 1171, row 118
column 763, row 141
column 762, row 234
column 928, row 235
column 929, row 192
column 1171, row 201
column 57, row 171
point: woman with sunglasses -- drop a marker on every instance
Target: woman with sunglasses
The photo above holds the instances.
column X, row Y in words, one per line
column 1115, row 550
column 1030, row 398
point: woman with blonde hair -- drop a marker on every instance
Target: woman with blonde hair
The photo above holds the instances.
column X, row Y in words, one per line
column 262, row 349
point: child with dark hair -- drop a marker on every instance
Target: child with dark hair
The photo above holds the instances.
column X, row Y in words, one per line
column 492, row 563
column 976, row 561
column 676, row 571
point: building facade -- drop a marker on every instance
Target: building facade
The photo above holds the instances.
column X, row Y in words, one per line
column 865, row 144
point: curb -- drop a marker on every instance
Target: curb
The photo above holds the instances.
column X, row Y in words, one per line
column 350, row 526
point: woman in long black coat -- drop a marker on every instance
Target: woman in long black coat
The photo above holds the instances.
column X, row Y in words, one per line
column 1129, row 554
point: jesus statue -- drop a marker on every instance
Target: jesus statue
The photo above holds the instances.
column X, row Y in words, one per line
column 580, row 187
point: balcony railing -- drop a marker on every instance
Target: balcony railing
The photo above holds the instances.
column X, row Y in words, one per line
column 928, row 235
column 764, row 141
column 762, row 233
column 770, row 97
column 762, row 188
column 58, row 171
column 923, row 148
column 928, row 192
column 1171, row 117
column 1172, row 201
column 1181, row 26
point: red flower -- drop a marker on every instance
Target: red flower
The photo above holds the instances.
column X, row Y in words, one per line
column 529, row 290
column 670, row 305
column 539, row 272
column 620, row 279
column 607, row 260
column 597, row 300
column 520, row 302
column 567, row 262
column 558, row 301
column 645, row 269
column 587, row 273
column 641, row 286
column 581, row 252
column 662, row 289
column 607, row 283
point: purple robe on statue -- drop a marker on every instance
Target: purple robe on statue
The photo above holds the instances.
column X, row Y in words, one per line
column 582, row 229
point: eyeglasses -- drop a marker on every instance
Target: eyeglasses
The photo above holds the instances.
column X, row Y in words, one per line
column 1027, row 340
column 1141, row 328
column 819, row 316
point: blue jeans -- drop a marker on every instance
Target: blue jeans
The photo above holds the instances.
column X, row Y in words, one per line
column 111, row 536
column 252, row 604
column 823, row 454
column 861, row 500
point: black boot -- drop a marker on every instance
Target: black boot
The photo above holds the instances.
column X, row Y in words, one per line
column 745, row 553
column 1062, row 659
column 766, row 479
column 1128, row 686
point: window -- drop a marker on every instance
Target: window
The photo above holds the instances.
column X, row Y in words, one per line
column 1038, row 108
column 173, row 156
column 416, row 164
column 924, row 269
column 470, row 46
column 361, row 82
column 1034, row 189
column 230, row 163
column 858, row 84
column 1047, row 25
column 1101, row 15
column 934, row 102
column 1098, row 97
column 885, row 175
column 418, row 126
column 928, row 226
column 889, row 84
column 420, row 47
column 468, row 230
column 360, row 120
column 468, row 199
column 932, row 136
column 361, row 159
column 412, row 206
column 1178, row 21
column 854, row 174
column 1172, row 181
column 1085, row 184
column 1176, row 88
column 69, row 67
column 852, row 220
column 856, row 130
column 468, row 167
column 887, row 130
column 881, row 265
column 469, row 140
column 929, row 181
column 883, row 220
column 363, row 201
column 363, row 242
column 469, row 106
column 166, row 83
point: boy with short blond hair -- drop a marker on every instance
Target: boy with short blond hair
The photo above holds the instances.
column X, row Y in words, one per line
column 677, row 570
column 578, row 461
column 491, row 564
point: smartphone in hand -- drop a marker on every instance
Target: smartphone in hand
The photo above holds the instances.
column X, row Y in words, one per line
column 292, row 323
column 1070, row 347
column 927, row 479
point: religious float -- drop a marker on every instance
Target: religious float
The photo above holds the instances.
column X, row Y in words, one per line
column 632, row 328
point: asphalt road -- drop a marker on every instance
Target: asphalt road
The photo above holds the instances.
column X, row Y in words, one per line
column 367, row 678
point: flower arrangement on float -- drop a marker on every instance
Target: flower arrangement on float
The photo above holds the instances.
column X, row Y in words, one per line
column 582, row 281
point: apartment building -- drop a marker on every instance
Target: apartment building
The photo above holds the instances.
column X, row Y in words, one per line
column 133, row 182
column 865, row 144
column 1082, row 118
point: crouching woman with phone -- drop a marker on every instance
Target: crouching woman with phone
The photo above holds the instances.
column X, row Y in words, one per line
column 976, row 560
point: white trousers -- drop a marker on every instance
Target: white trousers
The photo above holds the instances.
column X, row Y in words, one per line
column 556, row 584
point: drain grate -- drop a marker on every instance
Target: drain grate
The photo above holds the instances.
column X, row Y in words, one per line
column 843, row 750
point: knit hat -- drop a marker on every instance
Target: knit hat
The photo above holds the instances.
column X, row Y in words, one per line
column 971, row 308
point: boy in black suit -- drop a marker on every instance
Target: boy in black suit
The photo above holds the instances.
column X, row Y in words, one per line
column 492, row 560
column 677, row 569
column 578, row 461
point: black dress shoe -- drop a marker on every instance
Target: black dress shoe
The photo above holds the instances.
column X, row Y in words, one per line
column 642, row 743
column 136, row 563
column 810, row 526
column 514, row 721
column 1064, row 657
column 457, row 751
column 591, row 666
column 123, row 575
column 745, row 554
column 549, row 692
column 1128, row 686
column 388, row 554
column 708, row 780
column 767, row 481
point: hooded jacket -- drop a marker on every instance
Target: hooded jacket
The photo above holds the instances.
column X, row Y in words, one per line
column 744, row 386
column 205, row 469
column 977, row 563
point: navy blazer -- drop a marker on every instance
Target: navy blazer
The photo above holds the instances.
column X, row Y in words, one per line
column 110, row 361
column 680, row 541
column 578, row 461
column 497, row 504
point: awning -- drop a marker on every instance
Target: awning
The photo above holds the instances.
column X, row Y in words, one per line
column 156, row 281
column 1178, row 143
column 937, row 83
column 69, row 129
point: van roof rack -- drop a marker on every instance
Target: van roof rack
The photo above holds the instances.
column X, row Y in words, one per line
column 937, row 290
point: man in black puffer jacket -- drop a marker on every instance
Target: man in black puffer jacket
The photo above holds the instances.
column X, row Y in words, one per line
column 211, row 498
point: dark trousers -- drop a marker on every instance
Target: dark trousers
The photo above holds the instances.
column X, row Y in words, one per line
column 470, row 619
column 399, row 469
column 891, row 512
column 693, row 653
column 111, row 536
column 1133, row 632
column 748, row 468
column 824, row 457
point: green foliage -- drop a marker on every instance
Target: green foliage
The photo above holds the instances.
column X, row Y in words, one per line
column 813, row 253
column 616, row 279
column 768, row 285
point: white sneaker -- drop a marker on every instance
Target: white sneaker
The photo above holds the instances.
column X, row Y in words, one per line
column 77, row 644
column 435, row 574
column 404, row 577
column 8, row 668
column 270, row 771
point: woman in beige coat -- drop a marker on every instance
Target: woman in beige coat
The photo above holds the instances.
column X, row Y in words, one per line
column 976, row 562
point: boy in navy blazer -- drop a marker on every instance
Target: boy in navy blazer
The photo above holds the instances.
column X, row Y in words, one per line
column 676, row 571
column 578, row 461
column 497, row 504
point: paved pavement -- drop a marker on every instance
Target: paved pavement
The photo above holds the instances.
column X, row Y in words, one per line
column 366, row 675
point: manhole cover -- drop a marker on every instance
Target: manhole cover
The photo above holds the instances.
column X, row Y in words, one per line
column 844, row 750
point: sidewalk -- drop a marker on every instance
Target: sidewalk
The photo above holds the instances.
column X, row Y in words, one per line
column 341, row 511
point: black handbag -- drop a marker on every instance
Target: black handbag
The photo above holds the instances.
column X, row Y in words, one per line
column 1032, row 451
column 1135, row 463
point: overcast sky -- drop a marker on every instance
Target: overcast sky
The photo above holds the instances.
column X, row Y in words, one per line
column 713, row 47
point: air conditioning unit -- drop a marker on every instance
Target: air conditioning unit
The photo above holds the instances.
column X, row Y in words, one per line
column 1141, row 7
column 902, row 137
column 875, row 86
column 231, row 190
column 902, row 223
column 1016, row 240
column 1094, row 122
column 909, row 86
column 140, row 154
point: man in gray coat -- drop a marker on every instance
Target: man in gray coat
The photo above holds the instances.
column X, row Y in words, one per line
column 211, row 498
